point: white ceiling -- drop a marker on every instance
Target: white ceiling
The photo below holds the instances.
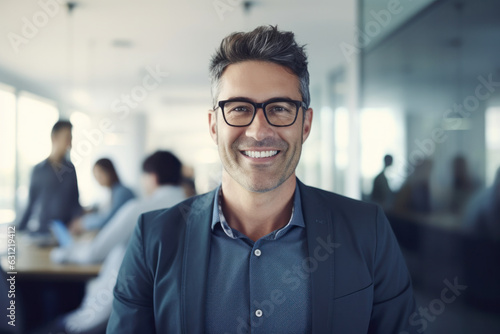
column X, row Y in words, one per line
column 87, row 72
column 178, row 36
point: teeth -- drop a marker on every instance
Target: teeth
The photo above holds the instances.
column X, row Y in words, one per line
column 260, row 154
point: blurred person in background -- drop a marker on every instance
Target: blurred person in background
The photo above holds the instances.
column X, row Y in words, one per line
column 482, row 217
column 463, row 185
column 188, row 182
column 415, row 195
column 382, row 193
column 106, row 176
column 53, row 191
column 161, row 181
column 162, row 184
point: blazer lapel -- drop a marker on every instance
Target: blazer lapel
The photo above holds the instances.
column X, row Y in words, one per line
column 320, row 243
column 195, row 263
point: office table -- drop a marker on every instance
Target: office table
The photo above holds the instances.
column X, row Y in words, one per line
column 33, row 262
column 38, row 281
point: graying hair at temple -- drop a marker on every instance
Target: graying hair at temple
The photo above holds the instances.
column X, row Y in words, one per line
column 265, row 43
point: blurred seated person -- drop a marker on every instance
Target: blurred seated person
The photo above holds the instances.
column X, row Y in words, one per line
column 482, row 216
column 188, row 181
column 414, row 195
column 463, row 186
column 53, row 190
column 382, row 193
column 106, row 176
column 162, row 184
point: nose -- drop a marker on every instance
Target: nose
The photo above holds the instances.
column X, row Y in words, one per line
column 259, row 129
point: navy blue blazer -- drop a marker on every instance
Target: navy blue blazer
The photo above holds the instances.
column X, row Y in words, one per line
column 359, row 280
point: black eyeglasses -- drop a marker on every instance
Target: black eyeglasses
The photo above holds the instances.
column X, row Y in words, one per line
column 278, row 112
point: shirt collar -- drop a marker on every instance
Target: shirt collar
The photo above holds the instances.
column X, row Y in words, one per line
column 296, row 219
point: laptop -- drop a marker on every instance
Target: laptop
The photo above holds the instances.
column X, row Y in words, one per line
column 62, row 234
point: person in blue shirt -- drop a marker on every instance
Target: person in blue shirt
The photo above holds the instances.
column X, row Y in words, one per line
column 263, row 252
column 106, row 175
column 53, row 190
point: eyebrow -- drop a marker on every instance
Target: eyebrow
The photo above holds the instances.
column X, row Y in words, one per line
column 244, row 98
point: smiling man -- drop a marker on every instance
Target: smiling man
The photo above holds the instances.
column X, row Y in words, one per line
column 263, row 253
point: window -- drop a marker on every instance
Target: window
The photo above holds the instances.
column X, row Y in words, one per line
column 7, row 154
column 81, row 157
column 35, row 119
column 382, row 132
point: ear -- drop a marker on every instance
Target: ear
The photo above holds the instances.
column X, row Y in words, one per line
column 212, row 125
column 306, row 128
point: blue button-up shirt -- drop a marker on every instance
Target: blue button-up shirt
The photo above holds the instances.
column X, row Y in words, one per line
column 261, row 286
column 53, row 195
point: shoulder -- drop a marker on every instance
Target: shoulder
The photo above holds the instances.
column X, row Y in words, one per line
column 168, row 224
column 41, row 166
column 349, row 219
column 123, row 190
column 343, row 205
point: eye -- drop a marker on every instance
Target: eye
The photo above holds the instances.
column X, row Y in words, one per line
column 240, row 108
column 279, row 109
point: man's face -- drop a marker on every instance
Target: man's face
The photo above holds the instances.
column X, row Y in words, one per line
column 101, row 176
column 259, row 82
column 61, row 141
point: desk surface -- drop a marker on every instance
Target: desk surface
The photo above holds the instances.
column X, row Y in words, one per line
column 33, row 261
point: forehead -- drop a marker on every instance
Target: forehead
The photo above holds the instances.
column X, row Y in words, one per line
column 259, row 81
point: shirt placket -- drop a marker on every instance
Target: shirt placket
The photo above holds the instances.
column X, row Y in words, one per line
column 259, row 313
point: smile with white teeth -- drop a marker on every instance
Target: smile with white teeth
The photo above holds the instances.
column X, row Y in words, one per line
column 260, row 154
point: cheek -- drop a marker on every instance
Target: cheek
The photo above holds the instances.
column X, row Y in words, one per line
column 292, row 135
column 228, row 136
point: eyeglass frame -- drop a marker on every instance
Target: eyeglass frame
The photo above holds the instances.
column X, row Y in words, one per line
column 262, row 106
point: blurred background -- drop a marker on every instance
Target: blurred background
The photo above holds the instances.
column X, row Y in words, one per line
column 406, row 99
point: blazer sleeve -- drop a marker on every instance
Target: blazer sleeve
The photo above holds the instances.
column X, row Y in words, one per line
column 393, row 301
column 133, row 293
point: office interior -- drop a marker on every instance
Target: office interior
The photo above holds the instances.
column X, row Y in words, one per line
column 417, row 80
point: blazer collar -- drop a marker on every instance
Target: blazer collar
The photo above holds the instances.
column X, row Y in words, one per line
column 321, row 247
column 195, row 263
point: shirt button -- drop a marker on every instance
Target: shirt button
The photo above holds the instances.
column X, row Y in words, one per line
column 258, row 313
column 257, row 252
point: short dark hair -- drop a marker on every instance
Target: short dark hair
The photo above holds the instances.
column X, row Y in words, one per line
column 166, row 166
column 264, row 43
column 108, row 167
column 61, row 124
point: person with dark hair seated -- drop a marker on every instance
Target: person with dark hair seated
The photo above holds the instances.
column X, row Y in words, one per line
column 53, row 191
column 162, row 184
column 106, row 175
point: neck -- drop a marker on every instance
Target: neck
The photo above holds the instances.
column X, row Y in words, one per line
column 56, row 157
column 257, row 214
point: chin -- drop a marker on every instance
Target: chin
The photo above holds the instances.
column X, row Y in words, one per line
column 260, row 185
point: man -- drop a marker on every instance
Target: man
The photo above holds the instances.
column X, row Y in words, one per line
column 53, row 192
column 381, row 192
column 263, row 253
column 161, row 181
